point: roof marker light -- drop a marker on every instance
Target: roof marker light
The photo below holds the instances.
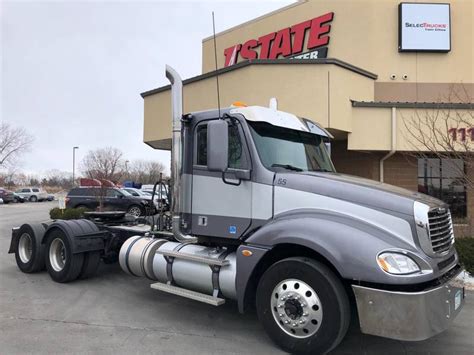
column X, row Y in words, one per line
column 238, row 104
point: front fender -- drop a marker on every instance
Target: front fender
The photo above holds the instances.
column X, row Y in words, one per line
column 351, row 245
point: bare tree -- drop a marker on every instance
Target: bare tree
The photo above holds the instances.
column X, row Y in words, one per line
column 57, row 179
column 8, row 177
column 104, row 163
column 445, row 133
column 145, row 171
column 13, row 143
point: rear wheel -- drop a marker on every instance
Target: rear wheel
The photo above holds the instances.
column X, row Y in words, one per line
column 303, row 306
column 29, row 253
column 33, row 198
column 135, row 210
column 61, row 263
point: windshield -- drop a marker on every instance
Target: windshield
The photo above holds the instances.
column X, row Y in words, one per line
column 125, row 192
column 135, row 192
column 290, row 149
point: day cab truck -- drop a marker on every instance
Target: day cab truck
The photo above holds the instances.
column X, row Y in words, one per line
column 260, row 216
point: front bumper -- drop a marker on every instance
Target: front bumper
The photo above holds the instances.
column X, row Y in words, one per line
column 410, row 316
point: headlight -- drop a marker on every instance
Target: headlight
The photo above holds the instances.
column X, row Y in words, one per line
column 396, row 263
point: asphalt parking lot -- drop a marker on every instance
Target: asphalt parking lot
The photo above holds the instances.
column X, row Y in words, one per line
column 116, row 313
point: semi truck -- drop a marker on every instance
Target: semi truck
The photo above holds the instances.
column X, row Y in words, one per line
column 260, row 216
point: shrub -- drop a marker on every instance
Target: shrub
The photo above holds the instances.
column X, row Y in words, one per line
column 465, row 248
column 68, row 213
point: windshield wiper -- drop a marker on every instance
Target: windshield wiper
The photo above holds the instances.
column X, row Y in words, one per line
column 323, row 170
column 287, row 166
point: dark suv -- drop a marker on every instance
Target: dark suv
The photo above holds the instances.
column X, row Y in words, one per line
column 114, row 200
column 6, row 195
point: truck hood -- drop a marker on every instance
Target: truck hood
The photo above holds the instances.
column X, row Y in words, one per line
column 357, row 190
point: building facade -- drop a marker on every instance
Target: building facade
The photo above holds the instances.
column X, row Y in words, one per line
column 393, row 82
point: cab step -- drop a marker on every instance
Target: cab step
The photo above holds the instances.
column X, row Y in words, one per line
column 192, row 257
column 193, row 295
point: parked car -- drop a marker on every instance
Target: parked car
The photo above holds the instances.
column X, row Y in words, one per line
column 32, row 194
column 114, row 199
column 135, row 192
column 50, row 197
column 161, row 192
column 6, row 195
column 18, row 198
column 148, row 195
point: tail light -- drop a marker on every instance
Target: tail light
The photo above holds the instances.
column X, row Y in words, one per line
column 67, row 199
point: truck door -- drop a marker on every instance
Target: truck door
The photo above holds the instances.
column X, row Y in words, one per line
column 221, row 207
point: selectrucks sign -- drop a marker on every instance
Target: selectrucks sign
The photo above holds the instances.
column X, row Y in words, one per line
column 424, row 27
column 288, row 42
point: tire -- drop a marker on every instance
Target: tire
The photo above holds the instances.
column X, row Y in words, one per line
column 33, row 199
column 62, row 265
column 135, row 210
column 90, row 265
column 29, row 252
column 303, row 290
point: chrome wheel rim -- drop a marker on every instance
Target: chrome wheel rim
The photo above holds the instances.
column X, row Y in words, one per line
column 57, row 254
column 296, row 308
column 25, row 248
column 135, row 211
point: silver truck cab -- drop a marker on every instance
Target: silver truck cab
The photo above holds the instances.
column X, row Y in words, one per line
column 259, row 215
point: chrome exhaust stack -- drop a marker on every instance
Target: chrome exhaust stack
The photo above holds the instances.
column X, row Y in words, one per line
column 179, row 191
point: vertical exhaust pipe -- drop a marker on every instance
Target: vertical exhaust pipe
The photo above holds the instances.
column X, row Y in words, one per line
column 179, row 191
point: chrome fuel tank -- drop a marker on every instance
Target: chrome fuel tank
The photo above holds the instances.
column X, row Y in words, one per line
column 194, row 275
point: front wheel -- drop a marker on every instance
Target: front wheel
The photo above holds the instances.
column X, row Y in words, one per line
column 135, row 211
column 303, row 306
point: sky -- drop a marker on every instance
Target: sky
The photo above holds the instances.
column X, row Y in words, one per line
column 72, row 72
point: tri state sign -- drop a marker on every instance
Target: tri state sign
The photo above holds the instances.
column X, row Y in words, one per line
column 286, row 42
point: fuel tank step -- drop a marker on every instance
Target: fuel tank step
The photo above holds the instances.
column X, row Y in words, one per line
column 197, row 296
column 193, row 257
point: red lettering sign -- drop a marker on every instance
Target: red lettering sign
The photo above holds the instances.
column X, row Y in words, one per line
column 248, row 49
column 319, row 28
column 264, row 43
column 299, row 32
column 284, row 43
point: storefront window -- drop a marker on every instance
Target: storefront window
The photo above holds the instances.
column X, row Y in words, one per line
column 444, row 179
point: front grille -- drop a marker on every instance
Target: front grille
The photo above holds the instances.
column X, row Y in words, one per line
column 441, row 230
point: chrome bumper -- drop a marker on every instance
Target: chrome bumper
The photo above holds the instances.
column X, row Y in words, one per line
column 410, row 316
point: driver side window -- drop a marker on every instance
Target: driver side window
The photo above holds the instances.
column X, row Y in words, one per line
column 113, row 193
column 236, row 155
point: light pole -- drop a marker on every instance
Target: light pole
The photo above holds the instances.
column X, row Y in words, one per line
column 74, row 164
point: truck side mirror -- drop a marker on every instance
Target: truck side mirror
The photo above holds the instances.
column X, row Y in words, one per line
column 217, row 145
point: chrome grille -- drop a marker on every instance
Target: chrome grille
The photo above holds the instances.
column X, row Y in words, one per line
column 440, row 230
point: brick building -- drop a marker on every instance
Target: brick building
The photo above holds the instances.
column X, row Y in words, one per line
column 366, row 70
